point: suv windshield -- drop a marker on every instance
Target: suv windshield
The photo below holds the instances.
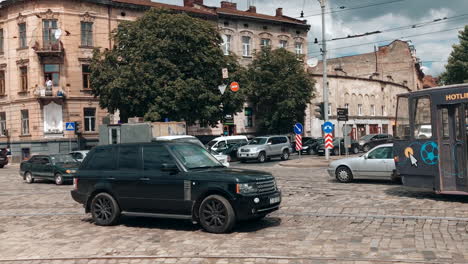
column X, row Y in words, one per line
column 367, row 137
column 62, row 159
column 194, row 157
column 258, row 141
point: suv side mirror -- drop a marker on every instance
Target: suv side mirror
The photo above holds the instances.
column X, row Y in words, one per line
column 172, row 167
column 365, row 156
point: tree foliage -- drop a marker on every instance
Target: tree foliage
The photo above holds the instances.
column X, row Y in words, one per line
column 280, row 90
column 457, row 66
column 165, row 65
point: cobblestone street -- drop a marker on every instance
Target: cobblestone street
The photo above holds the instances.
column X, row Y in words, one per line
column 320, row 221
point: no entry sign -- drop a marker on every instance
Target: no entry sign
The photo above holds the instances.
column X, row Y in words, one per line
column 234, row 86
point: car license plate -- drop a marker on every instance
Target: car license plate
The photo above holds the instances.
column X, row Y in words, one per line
column 274, row 200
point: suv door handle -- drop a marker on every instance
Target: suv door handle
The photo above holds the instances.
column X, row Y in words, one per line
column 111, row 178
column 144, row 179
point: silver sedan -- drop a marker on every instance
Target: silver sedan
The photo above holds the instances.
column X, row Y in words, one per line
column 378, row 163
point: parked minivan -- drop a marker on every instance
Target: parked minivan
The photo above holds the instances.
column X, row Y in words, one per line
column 171, row 180
column 220, row 144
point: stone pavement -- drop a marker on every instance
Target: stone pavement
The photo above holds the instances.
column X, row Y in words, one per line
column 311, row 161
column 320, row 221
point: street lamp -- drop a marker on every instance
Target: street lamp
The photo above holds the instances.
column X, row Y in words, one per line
column 325, row 84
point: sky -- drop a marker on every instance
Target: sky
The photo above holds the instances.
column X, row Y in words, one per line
column 433, row 40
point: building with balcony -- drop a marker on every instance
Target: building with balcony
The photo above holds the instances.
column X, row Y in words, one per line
column 45, row 51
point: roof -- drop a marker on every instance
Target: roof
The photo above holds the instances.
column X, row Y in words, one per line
column 149, row 3
column 246, row 14
column 173, row 137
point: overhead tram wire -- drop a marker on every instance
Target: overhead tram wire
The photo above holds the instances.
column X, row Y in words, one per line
column 343, row 9
column 388, row 40
column 437, row 21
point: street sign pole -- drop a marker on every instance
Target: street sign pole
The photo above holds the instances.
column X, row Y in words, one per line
column 298, row 129
column 325, row 84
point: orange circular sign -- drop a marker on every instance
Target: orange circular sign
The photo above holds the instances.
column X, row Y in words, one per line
column 234, row 87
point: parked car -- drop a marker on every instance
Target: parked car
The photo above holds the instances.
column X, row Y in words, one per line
column 3, row 157
column 371, row 140
column 339, row 146
column 293, row 144
column 171, row 180
column 224, row 159
column 79, row 155
column 309, row 145
column 220, row 144
column 232, row 149
column 263, row 148
column 378, row 163
column 57, row 167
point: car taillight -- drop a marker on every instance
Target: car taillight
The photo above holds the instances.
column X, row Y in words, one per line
column 75, row 183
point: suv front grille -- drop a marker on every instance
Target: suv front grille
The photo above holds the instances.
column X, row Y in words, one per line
column 266, row 186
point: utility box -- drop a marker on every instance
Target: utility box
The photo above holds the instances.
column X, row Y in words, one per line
column 139, row 132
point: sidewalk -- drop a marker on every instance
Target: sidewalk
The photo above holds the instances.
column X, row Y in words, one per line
column 311, row 161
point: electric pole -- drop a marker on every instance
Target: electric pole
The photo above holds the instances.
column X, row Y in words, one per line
column 325, row 82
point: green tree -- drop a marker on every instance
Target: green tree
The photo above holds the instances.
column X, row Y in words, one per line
column 456, row 70
column 165, row 65
column 280, row 90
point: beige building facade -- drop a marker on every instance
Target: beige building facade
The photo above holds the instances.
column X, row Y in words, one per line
column 367, row 86
column 45, row 50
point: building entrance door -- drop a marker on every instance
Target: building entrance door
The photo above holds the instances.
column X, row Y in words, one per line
column 453, row 152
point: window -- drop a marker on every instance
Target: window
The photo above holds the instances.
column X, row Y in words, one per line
column 155, row 156
column 248, row 117
column 445, row 123
column 346, row 106
column 226, row 44
column 381, row 153
column 265, row 42
column 402, row 119
column 86, row 72
column 101, row 159
column 87, row 34
column 90, row 119
column 2, row 124
column 49, row 27
column 246, row 46
column 2, row 82
column 298, row 48
column 52, row 72
column 22, row 36
column 372, row 110
column 283, row 44
column 1, row 39
column 129, row 158
column 24, row 122
column 383, row 110
column 422, row 118
column 24, row 78
column 329, row 110
column 359, row 109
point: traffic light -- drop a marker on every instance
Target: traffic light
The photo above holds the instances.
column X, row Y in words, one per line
column 320, row 111
column 77, row 127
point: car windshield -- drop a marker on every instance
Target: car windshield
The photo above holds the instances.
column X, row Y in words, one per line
column 211, row 143
column 258, row 141
column 194, row 157
column 67, row 158
column 367, row 137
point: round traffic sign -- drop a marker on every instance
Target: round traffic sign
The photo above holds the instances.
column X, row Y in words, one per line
column 298, row 128
column 328, row 127
column 234, row 86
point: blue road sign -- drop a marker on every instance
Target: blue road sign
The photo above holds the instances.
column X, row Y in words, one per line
column 70, row 126
column 298, row 128
column 328, row 127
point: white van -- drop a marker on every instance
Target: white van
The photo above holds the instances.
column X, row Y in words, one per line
column 222, row 143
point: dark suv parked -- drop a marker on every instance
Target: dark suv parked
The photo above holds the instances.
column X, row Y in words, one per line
column 172, row 180
column 370, row 141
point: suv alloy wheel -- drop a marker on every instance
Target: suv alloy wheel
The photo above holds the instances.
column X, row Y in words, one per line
column 366, row 148
column 28, row 177
column 216, row 214
column 261, row 157
column 58, row 179
column 285, row 155
column 104, row 209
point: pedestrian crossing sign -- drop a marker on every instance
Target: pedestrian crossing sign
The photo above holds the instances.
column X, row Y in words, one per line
column 70, row 126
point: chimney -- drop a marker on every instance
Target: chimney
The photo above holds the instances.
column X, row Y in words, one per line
column 229, row 5
column 279, row 12
column 198, row 2
column 189, row 3
column 252, row 9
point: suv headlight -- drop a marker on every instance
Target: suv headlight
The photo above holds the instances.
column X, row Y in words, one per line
column 246, row 188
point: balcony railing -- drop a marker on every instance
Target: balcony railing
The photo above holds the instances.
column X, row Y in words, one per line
column 49, row 49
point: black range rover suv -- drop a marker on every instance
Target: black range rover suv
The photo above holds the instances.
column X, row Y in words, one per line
column 173, row 180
